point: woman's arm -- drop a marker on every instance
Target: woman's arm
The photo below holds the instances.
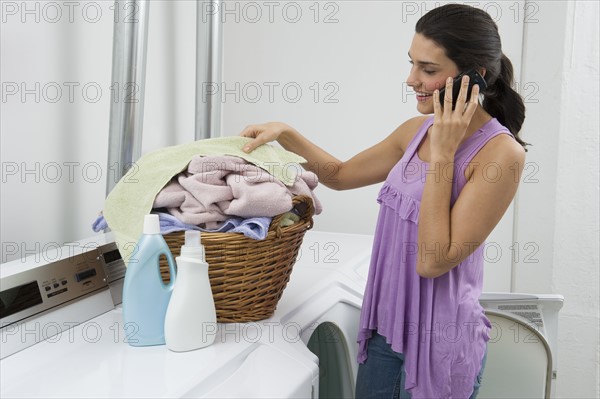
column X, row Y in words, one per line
column 448, row 236
column 368, row 167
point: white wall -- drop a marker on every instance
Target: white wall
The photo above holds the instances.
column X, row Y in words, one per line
column 53, row 140
column 54, row 143
column 362, row 54
column 558, row 208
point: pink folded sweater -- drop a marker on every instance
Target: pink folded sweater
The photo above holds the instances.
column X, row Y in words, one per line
column 214, row 188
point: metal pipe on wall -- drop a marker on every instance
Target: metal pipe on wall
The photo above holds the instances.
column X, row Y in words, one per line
column 209, row 39
column 130, row 40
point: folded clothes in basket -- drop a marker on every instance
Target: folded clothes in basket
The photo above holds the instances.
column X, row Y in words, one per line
column 134, row 195
column 255, row 228
column 214, row 188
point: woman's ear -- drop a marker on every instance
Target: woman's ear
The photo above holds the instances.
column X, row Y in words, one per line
column 482, row 72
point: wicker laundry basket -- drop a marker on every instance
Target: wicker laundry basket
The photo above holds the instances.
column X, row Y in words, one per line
column 248, row 276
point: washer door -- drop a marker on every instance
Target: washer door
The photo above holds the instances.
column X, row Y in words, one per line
column 519, row 360
column 335, row 375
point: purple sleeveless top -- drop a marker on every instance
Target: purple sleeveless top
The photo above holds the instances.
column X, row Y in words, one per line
column 437, row 323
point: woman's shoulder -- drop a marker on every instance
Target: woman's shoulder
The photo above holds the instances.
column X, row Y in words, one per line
column 407, row 130
column 503, row 151
column 504, row 144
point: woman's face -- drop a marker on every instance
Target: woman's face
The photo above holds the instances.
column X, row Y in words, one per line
column 429, row 71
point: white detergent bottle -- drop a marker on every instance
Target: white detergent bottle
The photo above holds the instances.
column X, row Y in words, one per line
column 191, row 320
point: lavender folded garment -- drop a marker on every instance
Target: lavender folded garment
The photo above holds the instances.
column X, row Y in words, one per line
column 256, row 228
column 99, row 224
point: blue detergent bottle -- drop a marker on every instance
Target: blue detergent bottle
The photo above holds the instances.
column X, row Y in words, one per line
column 145, row 295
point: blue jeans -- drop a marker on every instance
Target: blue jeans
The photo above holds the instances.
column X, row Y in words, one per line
column 382, row 375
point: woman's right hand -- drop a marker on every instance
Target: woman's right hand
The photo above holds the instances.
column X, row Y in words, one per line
column 263, row 133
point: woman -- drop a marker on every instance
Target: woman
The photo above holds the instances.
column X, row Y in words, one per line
column 449, row 178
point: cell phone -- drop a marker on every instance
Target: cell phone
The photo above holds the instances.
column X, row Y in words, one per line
column 474, row 79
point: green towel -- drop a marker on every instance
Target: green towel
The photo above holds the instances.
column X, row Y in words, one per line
column 134, row 194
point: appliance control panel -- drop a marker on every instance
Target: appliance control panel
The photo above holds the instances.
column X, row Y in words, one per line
column 43, row 285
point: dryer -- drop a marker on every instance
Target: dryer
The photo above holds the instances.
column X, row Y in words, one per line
column 77, row 348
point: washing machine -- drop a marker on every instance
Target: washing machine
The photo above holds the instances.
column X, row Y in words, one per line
column 323, row 300
column 324, row 297
column 62, row 336
column 523, row 345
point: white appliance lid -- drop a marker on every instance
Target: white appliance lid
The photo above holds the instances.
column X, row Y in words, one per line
column 93, row 360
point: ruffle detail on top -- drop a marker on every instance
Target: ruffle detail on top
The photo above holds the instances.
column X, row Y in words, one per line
column 404, row 206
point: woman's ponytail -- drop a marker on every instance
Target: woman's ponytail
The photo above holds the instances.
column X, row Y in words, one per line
column 503, row 102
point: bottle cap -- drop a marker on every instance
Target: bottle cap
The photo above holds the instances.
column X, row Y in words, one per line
column 192, row 238
column 151, row 224
column 193, row 246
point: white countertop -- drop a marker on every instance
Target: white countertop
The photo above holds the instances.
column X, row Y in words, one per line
column 94, row 360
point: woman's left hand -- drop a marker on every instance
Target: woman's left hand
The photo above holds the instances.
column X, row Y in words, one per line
column 450, row 125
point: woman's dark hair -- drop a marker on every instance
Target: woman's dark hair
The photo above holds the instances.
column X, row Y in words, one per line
column 470, row 39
